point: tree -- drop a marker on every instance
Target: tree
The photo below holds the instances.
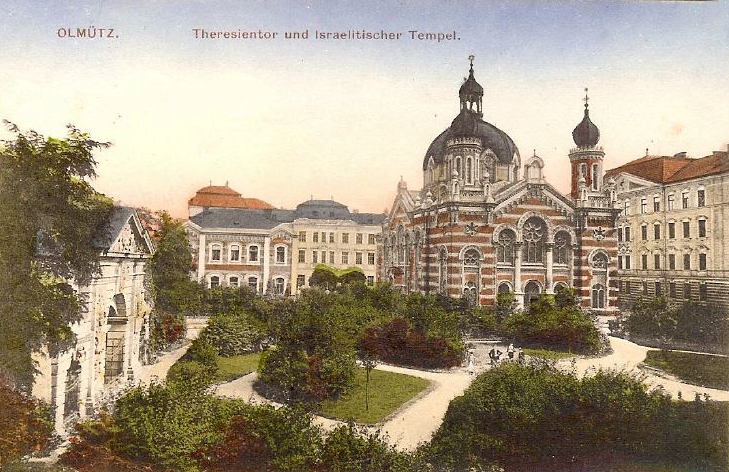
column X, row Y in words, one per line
column 169, row 269
column 174, row 293
column 49, row 218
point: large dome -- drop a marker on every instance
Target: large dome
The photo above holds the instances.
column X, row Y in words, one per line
column 469, row 125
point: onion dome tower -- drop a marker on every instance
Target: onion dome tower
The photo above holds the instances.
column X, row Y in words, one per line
column 586, row 159
column 470, row 152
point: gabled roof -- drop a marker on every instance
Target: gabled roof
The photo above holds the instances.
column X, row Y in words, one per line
column 118, row 218
column 671, row 169
column 222, row 196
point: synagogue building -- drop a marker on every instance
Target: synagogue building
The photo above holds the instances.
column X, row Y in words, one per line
column 485, row 221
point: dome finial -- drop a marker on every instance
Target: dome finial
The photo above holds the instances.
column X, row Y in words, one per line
column 586, row 133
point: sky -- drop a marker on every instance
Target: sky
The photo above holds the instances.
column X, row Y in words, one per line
column 289, row 119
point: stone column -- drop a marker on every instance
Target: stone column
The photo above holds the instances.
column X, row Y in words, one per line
column 265, row 260
column 518, row 294
column 201, row 253
column 548, row 255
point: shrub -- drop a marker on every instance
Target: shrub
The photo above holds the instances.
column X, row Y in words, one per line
column 25, row 425
column 549, row 324
column 263, row 438
column 203, row 352
column 397, row 342
column 534, row 417
column 352, row 449
column 166, row 329
column 166, row 424
column 234, row 334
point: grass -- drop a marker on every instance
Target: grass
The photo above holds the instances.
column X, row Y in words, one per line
column 230, row 368
column 387, row 392
column 697, row 369
column 547, row 354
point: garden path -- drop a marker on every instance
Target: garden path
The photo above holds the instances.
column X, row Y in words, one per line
column 158, row 370
column 409, row 426
column 627, row 355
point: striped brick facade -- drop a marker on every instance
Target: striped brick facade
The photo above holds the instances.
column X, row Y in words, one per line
column 483, row 223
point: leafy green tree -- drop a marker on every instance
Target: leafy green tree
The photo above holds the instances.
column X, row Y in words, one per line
column 234, row 334
column 175, row 295
column 49, row 219
column 313, row 342
column 555, row 322
column 323, row 276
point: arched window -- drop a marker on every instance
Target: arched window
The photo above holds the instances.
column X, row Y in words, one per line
column 505, row 247
column 280, row 255
column 598, row 296
column 458, row 166
column 279, row 285
column 594, row 177
column 253, row 254
column 214, row 281
column 233, row 282
column 253, row 283
column 469, row 170
column 531, row 293
column 234, row 253
column 215, row 251
column 600, row 261
column 533, row 234
column 504, row 287
column 442, row 270
column 471, row 258
column 559, row 286
column 562, row 247
column 469, row 293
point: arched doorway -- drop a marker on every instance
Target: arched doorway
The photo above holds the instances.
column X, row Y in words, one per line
column 531, row 293
column 115, row 339
column 469, row 293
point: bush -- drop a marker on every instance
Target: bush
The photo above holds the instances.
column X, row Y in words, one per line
column 656, row 318
column 556, row 324
column 234, row 334
column 203, row 352
column 534, row 417
column 166, row 329
column 397, row 342
column 352, row 449
column 25, row 425
column 263, row 438
column 166, row 424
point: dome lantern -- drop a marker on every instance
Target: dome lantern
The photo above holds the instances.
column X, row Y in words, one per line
column 471, row 92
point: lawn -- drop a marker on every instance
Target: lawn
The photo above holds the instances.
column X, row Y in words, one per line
column 387, row 392
column 230, row 368
column 697, row 369
column 547, row 354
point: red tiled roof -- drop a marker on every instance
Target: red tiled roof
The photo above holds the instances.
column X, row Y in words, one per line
column 669, row 169
column 717, row 163
column 222, row 196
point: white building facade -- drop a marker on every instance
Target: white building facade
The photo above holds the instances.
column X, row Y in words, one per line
column 113, row 332
column 671, row 236
column 275, row 251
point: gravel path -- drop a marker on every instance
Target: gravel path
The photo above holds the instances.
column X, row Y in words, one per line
column 627, row 355
column 412, row 424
